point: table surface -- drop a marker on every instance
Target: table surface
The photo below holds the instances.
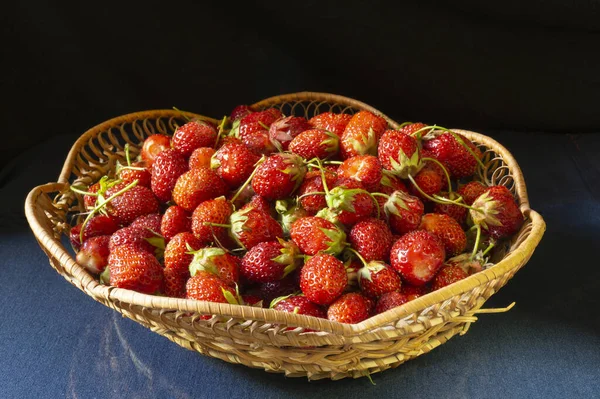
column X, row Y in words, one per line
column 55, row 341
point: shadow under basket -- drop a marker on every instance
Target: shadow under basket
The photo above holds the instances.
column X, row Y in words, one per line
column 259, row 337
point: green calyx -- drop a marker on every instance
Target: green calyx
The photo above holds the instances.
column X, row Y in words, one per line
column 203, row 260
column 397, row 200
column 405, row 165
column 231, row 299
column 288, row 256
column 483, row 211
column 367, row 144
column 105, row 276
column 235, row 129
column 337, row 240
column 369, row 269
column 295, row 167
column 275, row 301
column 238, row 221
column 331, row 143
column 340, row 198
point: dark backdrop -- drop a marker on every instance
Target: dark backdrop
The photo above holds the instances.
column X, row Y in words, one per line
column 470, row 64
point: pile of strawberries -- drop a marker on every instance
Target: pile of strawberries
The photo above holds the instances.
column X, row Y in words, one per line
column 336, row 217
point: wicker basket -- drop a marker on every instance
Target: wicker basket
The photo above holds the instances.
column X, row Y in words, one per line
column 258, row 337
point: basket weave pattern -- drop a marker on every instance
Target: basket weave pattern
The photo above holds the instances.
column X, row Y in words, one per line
column 259, row 337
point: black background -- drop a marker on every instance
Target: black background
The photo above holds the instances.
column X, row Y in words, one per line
column 469, row 64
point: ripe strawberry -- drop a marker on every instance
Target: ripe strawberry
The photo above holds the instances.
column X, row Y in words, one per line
column 154, row 145
column 501, row 216
column 334, row 123
column 450, row 152
column 390, row 183
column 253, row 130
column 218, row 262
column 193, row 135
column 201, row 158
column 412, row 291
column 412, row 128
column 149, row 222
column 166, row 169
column 94, row 254
column 284, row 130
column 471, row 191
column 250, row 227
column 430, row 181
column 389, row 301
column 314, row 234
column 143, row 176
column 196, row 186
column 351, row 308
column 278, row 176
column 252, row 300
column 206, row 286
column 132, row 236
column 177, row 263
column 417, row 256
column 376, row 278
column 456, row 212
column 365, row 169
column 313, row 182
column 446, row 276
column 399, row 153
column 298, row 304
column 323, row 279
column 212, row 211
column 99, row 225
column 348, row 203
column 315, row 143
column 447, row 230
column 134, row 269
column 362, row 134
column 403, row 212
column 89, row 201
column 239, row 112
column 468, row 265
column 137, row 201
column 372, row 239
column 234, row 162
column 175, row 220
column 269, row 261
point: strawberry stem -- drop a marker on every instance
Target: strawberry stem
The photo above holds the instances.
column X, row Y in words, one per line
column 182, row 114
column 380, row 195
column 358, row 255
column 322, row 176
column 126, row 149
column 404, row 124
column 477, row 239
column 489, row 248
column 444, row 169
column 263, row 125
column 440, row 200
column 220, row 130
column 80, row 191
column 216, row 224
column 243, row 186
column 312, row 193
column 460, row 141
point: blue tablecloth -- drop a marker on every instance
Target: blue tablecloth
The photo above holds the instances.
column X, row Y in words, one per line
column 55, row 341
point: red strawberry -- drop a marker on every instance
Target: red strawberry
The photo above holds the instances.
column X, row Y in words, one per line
column 89, row 201
column 446, row 276
column 365, row 169
column 448, row 231
column 412, row 291
column 323, row 279
column 471, row 191
column 215, row 211
column 334, row 123
column 175, row 220
column 239, row 112
column 137, row 201
column 362, row 134
column 313, row 182
column 412, row 128
column 253, row 130
column 166, row 169
column 134, row 269
column 430, row 181
column 403, row 212
column 278, row 176
column 298, row 304
column 315, row 143
column 283, row 130
column 376, row 278
column 259, row 203
column 177, row 262
column 94, row 254
column 193, row 135
column 450, row 152
column 154, row 145
column 456, row 212
column 372, row 239
column 150, row 222
column 390, row 300
column 141, row 174
column 206, row 286
column 348, row 203
column 132, row 236
column 269, row 261
column 201, row 158
column 399, row 153
column 234, row 162
column 351, row 308
column 314, row 234
column 218, row 262
column 99, row 225
column 501, row 216
column 196, row 186
column 252, row 300
column 417, row 256
column 250, row 227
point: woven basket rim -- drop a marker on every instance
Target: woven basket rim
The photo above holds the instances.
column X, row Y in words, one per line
column 46, row 238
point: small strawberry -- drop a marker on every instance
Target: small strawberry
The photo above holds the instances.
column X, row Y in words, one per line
column 137, row 171
column 218, row 262
column 154, row 145
column 390, row 300
column 500, row 216
column 269, row 261
column 279, row 288
column 284, row 130
column 448, row 149
column 94, row 253
column 372, row 239
column 133, row 203
column 399, row 153
column 430, row 181
column 175, row 220
column 252, row 300
column 149, row 222
column 362, row 134
column 334, row 123
column 132, row 236
column 315, row 143
column 417, row 256
column 314, row 234
column 376, row 278
column 365, row 169
column 234, row 162
column 313, row 182
column 403, row 212
column 177, row 262
column 446, row 276
column 89, row 201
column 471, row 191
column 196, row 186
column 447, row 230
column 253, row 130
column 412, row 128
column 239, row 112
column 348, row 203
column 201, row 158
column 166, row 169
column 456, row 212
column 278, row 176
column 193, row 135
column 259, row 203
column 351, row 308
column 99, row 225
column 134, row 269
column 298, row 304
column 323, row 278
column 206, row 286
column 250, row 227
column 206, row 218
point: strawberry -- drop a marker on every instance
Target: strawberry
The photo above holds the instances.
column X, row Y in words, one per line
column 456, row 212
column 94, row 253
column 177, row 262
column 193, row 135
column 471, row 191
column 234, row 162
column 362, row 134
column 334, row 123
column 278, row 176
column 253, row 130
column 274, row 289
column 175, row 220
column 166, row 169
column 239, row 112
column 417, row 256
column 413, row 291
column 250, row 227
column 399, row 153
column 323, row 279
column 376, row 278
column 315, row 143
column 269, row 261
column 134, row 269
column 447, row 149
column 351, row 308
column 348, row 203
column 150, row 222
column 137, row 201
column 284, row 130
column 314, row 234
column 132, row 236
column 412, row 128
column 99, row 225
column 252, row 300
column 447, row 230
column 218, row 262
column 259, row 203
column 390, row 300
column 215, row 211
column 372, row 239
column 89, row 201
column 500, row 216
column 313, row 182
column 365, row 169
column 446, row 276
column 196, row 186
column 206, row 286
column 430, row 181
column 298, row 304
column 468, row 265
column 288, row 213
column 403, row 212
column 201, row 158
column 140, row 173
column 154, row 145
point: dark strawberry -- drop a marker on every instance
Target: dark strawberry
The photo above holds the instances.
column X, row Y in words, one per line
column 99, row 225
column 269, row 261
column 362, row 134
column 134, row 269
column 94, row 253
column 390, row 300
column 278, row 176
column 471, row 191
column 365, row 169
column 351, row 308
column 447, row 230
column 399, row 153
column 279, row 288
column 299, row 305
column 239, row 112
column 413, row 291
column 168, row 166
column 456, row 212
column 334, row 123
column 206, row 286
column 250, row 227
column 500, row 216
column 447, row 149
column 323, row 278
column 252, row 300
column 403, row 212
column 134, row 237
column 201, row 158
column 177, row 263
column 137, row 171
column 376, row 278
column 193, row 135
column 196, row 186
column 315, row 143
column 314, row 234
column 149, row 222
column 283, row 130
column 175, row 220
column 253, row 130
column 234, row 162
column 446, row 276
column 313, row 182
column 372, row 239
column 417, row 256
column 133, row 203
column 154, row 145
column 218, row 262
column 206, row 218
